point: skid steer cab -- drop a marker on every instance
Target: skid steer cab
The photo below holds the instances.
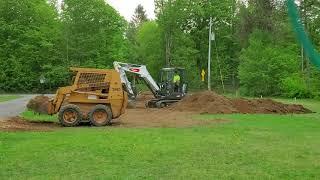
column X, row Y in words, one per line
column 96, row 96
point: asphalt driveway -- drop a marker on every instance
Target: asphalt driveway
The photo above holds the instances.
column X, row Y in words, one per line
column 14, row 107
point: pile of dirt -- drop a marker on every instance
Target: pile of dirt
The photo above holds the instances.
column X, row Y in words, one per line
column 212, row 103
column 18, row 124
column 205, row 102
column 267, row 106
column 39, row 104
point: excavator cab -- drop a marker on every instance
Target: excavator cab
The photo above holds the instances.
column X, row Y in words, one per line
column 167, row 84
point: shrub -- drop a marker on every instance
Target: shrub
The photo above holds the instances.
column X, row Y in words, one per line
column 295, row 86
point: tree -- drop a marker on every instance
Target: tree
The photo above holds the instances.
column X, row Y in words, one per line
column 138, row 19
column 264, row 65
column 139, row 16
column 93, row 33
column 148, row 47
column 184, row 26
column 257, row 14
column 28, row 34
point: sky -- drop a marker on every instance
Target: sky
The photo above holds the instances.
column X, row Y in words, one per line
column 127, row 7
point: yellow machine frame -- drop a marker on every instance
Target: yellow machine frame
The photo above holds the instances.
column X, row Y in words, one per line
column 90, row 88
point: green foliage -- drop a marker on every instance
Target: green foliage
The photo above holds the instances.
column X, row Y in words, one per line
column 37, row 41
column 93, row 33
column 254, row 49
column 148, row 48
column 264, row 65
column 184, row 27
column 28, row 34
column 138, row 20
column 295, row 86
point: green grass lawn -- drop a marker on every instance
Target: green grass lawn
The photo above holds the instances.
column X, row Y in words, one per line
column 249, row 147
column 4, row 98
column 31, row 116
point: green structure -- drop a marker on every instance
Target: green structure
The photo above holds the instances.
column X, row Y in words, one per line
column 303, row 38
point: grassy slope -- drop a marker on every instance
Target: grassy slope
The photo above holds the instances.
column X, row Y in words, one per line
column 4, row 98
column 252, row 146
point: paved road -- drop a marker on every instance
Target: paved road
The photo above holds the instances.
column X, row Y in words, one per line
column 15, row 107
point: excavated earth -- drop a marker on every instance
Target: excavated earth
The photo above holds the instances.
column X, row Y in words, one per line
column 39, row 104
column 212, row 103
column 19, row 124
column 177, row 115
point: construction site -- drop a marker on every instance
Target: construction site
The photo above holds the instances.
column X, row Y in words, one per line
column 101, row 97
column 178, row 115
column 159, row 89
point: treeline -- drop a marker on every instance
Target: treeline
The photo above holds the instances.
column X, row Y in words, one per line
column 39, row 40
column 254, row 51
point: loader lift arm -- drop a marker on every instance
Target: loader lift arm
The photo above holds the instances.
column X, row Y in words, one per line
column 56, row 103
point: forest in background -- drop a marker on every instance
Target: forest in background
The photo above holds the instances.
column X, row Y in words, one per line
column 255, row 51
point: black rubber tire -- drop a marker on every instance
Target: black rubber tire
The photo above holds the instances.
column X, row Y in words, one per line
column 70, row 108
column 102, row 108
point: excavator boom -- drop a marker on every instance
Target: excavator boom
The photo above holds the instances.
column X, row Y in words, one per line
column 141, row 71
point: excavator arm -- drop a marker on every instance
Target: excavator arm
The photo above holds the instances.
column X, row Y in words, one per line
column 141, row 71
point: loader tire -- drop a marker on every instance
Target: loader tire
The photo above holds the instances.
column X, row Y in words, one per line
column 100, row 115
column 70, row 115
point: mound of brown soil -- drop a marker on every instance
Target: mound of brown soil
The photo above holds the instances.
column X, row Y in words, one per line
column 39, row 104
column 206, row 102
column 18, row 124
column 267, row 106
column 212, row 103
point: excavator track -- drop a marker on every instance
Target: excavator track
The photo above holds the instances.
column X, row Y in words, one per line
column 160, row 103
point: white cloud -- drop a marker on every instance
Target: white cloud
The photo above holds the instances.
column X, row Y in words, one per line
column 127, row 7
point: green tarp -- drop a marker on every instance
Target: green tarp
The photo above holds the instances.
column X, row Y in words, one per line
column 303, row 38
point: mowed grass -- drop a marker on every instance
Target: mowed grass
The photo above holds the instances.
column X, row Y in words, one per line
column 249, row 147
column 32, row 116
column 4, row 98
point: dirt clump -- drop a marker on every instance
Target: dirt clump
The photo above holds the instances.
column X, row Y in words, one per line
column 39, row 104
column 213, row 103
column 19, row 124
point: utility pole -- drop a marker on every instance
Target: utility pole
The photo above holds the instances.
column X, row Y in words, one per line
column 209, row 55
